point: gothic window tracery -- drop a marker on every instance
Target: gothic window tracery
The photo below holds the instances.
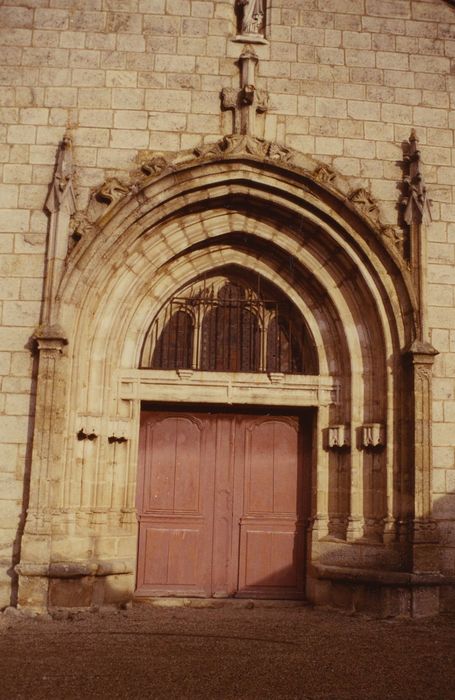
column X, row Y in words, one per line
column 225, row 325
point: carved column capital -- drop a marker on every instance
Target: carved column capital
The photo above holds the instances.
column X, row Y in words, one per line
column 421, row 353
column 52, row 338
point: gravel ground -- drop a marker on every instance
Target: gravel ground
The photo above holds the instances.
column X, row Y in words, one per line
column 226, row 652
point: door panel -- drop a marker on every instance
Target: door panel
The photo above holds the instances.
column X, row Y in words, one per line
column 271, row 466
column 269, row 557
column 224, row 580
column 220, row 505
column 173, row 464
column 170, row 555
column 271, row 528
column 175, row 514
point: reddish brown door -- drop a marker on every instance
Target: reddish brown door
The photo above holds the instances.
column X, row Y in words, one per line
column 270, row 522
column 220, row 504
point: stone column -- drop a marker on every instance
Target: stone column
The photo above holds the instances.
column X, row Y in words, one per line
column 46, row 469
column 425, row 554
column 320, row 483
column 45, row 472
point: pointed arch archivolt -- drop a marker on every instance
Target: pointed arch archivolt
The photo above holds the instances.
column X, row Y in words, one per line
column 349, row 286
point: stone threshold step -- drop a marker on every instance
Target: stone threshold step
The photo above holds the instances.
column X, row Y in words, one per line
column 168, row 602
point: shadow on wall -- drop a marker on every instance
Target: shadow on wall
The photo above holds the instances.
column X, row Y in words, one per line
column 17, row 543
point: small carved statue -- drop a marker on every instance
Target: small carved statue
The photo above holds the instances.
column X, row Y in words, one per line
column 252, row 16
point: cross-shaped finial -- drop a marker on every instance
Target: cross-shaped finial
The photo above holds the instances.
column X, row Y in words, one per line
column 248, row 100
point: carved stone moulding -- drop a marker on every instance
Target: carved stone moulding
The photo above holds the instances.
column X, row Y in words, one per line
column 367, row 205
column 80, row 226
column 248, row 145
column 237, row 146
column 276, row 377
column 325, row 174
column 365, row 202
column 156, row 164
column 112, row 190
column 244, row 145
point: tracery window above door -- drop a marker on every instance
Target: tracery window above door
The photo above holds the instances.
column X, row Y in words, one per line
column 224, row 324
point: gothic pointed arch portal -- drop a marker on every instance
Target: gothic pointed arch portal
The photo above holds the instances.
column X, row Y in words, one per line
column 240, row 211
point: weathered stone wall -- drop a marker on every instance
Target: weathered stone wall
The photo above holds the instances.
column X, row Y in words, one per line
column 347, row 79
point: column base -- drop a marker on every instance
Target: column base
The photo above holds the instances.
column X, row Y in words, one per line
column 74, row 585
column 379, row 593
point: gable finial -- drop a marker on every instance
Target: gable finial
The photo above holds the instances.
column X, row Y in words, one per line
column 61, row 194
column 415, row 201
column 247, row 101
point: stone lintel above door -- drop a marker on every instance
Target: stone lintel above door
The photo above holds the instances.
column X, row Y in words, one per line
column 228, row 387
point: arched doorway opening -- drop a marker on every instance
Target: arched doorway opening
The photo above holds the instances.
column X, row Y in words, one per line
column 223, row 493
column 137, row 336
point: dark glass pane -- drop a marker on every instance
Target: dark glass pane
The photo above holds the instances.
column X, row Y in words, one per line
column 174, row 347
column 231, row 291
column 230, row 339
column 283, row 347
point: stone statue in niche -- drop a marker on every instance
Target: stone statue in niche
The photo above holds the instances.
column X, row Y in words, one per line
column 251, row 15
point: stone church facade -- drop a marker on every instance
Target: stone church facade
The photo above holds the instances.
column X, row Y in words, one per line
column 227, row 284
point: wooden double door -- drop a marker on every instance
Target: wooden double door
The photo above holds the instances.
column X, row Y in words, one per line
column 221, row 505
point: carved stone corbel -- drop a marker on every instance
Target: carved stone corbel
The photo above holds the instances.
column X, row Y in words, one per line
column 373, row 436
column 338, row 437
